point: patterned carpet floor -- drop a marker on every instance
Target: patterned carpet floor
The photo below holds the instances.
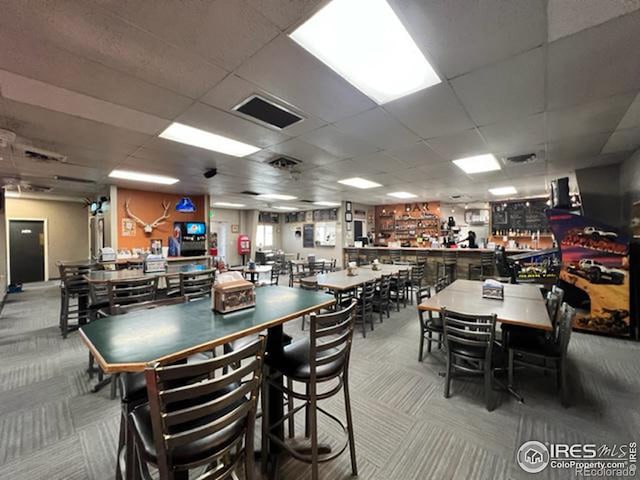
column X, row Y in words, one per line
column 52, row 427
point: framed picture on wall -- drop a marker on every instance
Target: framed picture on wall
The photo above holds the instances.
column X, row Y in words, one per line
column 348, row 217
column 235, row 228
column 349, row 227
column 347, row 206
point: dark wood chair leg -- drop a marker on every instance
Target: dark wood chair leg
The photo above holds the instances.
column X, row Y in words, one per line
column 352, row 444
column 291, row 420
column 421, row 352
column 447, row 380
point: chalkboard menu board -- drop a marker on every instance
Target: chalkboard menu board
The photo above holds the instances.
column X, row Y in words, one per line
column 307, row 236
column 326, row 215
column 294, row 217
column 268, row 217
column 519, row 216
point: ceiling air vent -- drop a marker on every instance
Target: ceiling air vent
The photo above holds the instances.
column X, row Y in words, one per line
column 41, row 155
column 522, row 159
column 460, row 197
column 249, row 192
column 64, row 178
column 267, row 113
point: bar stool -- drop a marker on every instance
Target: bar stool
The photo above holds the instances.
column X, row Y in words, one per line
column 483, row 269
column 448, row 265
column 197, row 284
column 74, row 287
column 416, row 277
column 364, row 309
column 321, row 358
column 395, row 256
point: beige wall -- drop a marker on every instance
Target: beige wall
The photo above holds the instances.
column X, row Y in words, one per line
column 3, row 255
column 67, row 227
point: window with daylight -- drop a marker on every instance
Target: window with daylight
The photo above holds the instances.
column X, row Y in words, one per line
column 264, row 238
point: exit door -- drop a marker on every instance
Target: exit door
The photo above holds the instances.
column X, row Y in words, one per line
column 26, row 250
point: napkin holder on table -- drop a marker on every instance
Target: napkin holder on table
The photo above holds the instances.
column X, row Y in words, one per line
column 352, row 269
column 232, row 292
column 493, row 289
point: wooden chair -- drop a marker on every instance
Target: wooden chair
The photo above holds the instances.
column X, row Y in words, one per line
column 469, row 341
column 198, row 416
column 123, row 293
column 308, row 283
column 395, row 256
column 430, row 324
column 74, row 287
column 485, row 268
column 295, row 274
column 547, row 355
column 364, row 306
column 382, row 297
column 275, row 274
column 448, row 265
column 319, row 359
column 197, row 284
column 416, row 277
column 400, row 288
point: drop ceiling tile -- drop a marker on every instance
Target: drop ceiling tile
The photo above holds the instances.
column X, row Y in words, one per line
column 441, row 170
column 225, row 32
column 627, row 139
column 514, row 135
column 602, row 115
column 432, row 112
column 461, row 36
column 349, row 168
column 459, row 145
column 310, row 155
column 337, row 143
column 416, row 155
column 213, row 120
column 233, row 90
column 632, row 116
column 594, row 63
column 378, row 161
column 63, row 69
column 95, row 34
column 291, row 73
column 510, row 89
column 576, row 148
column 569, row 17
column 377, row 128
column 519, row 171
column 285, row 13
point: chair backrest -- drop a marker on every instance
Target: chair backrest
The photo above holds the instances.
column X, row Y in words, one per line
column 565, row 318
column 395, row 256
column 417, row 273
column 331, row 335
column 441, row 283
column 403, row 275
column 488, row 259
column 469, row 331
column 423, row 293
column 334, row 263
column 201, row 394
column 365, row 298
column 136, row 265
column 553, row 304
column 72, row 276
column 449, row 257
column 126, row 292
column 384, row 286
column 197, row 284
column 275, row 274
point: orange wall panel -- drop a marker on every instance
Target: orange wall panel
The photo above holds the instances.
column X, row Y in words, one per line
column 148, row 207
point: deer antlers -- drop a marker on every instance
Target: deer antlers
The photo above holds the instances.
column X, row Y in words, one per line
column 148, row 227
column 164, row 217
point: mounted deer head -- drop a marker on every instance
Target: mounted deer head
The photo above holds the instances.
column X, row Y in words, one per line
column 148, row 227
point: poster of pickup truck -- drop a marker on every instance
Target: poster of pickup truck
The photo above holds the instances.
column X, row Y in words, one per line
column 594, row 271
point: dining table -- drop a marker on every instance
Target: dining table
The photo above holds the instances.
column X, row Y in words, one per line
column 131, row 342
column 523, row 305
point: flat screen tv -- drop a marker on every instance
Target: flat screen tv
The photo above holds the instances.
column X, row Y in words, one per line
column 196, row 228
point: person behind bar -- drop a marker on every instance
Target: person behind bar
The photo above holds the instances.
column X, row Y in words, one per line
column 471, row 238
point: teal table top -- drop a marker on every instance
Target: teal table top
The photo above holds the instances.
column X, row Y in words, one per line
column 126, row 343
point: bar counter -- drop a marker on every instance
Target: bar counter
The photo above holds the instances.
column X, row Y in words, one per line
column 430, row 256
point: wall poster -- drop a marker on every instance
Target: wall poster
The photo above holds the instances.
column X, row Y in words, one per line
column 128, row 227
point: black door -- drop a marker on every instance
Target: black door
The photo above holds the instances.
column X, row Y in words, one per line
column 26, row 251
column 357, row 229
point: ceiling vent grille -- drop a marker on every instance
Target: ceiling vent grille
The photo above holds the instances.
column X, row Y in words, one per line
column 249, row 192
column 41, row 155
column 267, row 113
column 64, row 178
column 522, row 159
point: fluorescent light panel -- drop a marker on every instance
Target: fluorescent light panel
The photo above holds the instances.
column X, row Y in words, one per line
column 229, row 204
column 289, row 209
column 327, row 204
column 276, row 196
column 179, row 132
column 478, row 163
column 402, row 195
column 359, row 183
column 499, row 191
column 365, row 43
column 143, row 177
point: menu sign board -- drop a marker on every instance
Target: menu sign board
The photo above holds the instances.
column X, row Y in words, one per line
column 523, row 216
column 308, row 236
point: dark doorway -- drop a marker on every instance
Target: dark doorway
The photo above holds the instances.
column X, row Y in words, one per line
column 26, row 250
column 357, row 229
